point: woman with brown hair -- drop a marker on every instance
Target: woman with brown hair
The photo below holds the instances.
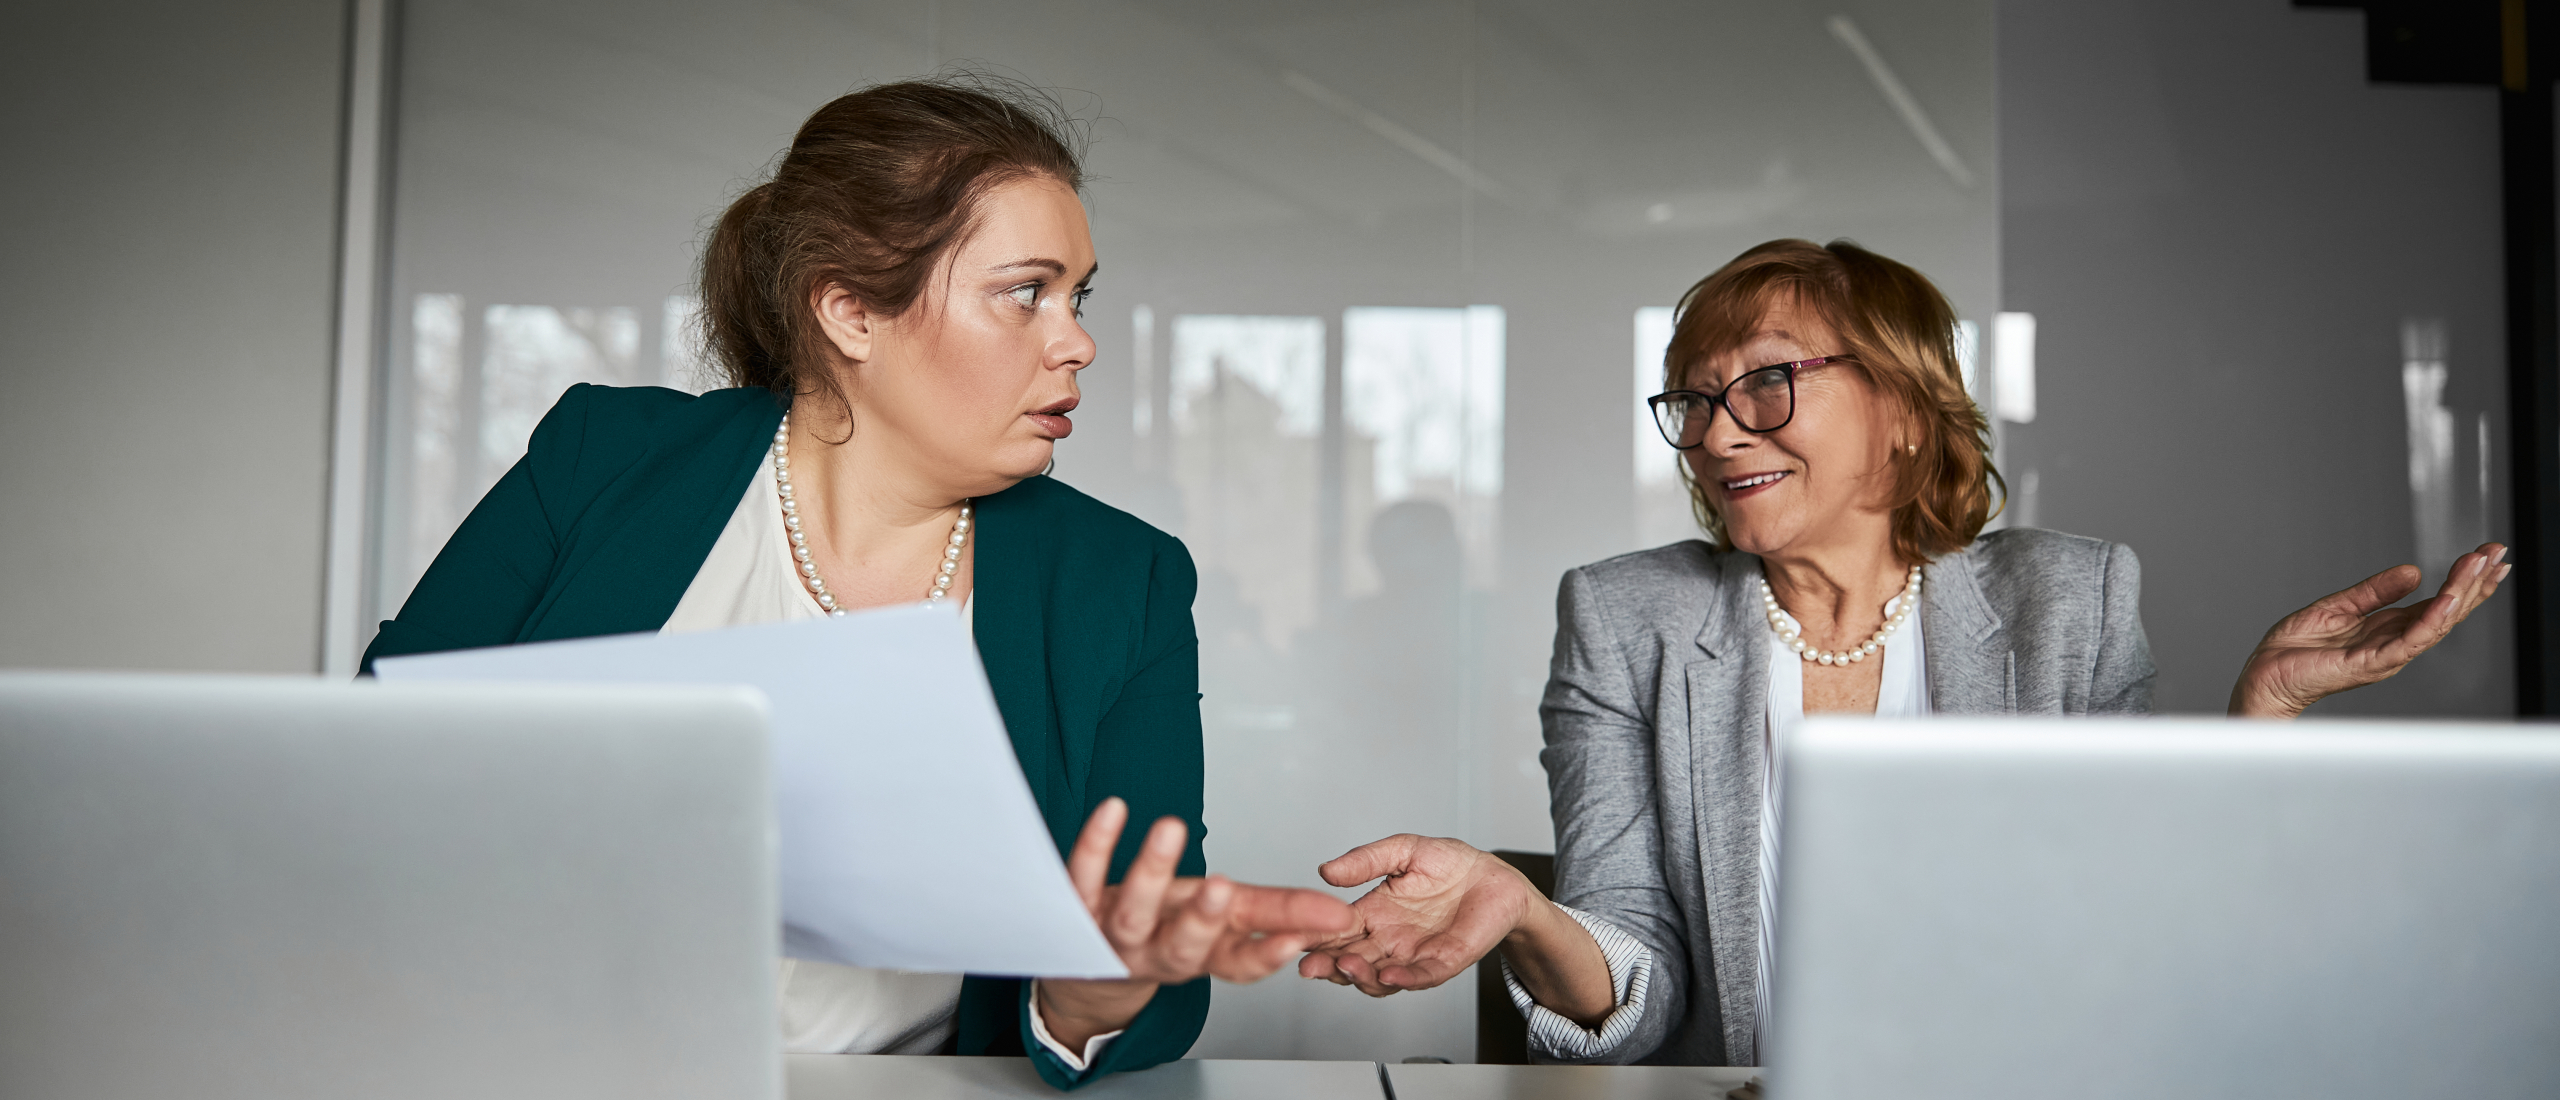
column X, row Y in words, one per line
column 897, row 313
column 1843, row 478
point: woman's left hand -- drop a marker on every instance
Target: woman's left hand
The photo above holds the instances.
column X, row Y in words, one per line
column 2353, row 638
column 1170, row 930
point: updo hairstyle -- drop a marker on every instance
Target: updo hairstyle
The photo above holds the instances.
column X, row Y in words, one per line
column 1902, row 332
column 875, row 188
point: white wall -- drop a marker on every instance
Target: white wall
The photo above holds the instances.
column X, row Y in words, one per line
column 166, row 271
column 2221, row 227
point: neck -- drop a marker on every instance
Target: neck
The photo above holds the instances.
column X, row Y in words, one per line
column 1838, row 594
column 870, row 496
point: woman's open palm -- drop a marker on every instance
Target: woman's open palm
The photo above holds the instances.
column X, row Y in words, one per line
column 2355, row 637
column 1444, row 904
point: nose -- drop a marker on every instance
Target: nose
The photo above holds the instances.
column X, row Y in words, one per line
column 1073, row 349
column 1725, row 435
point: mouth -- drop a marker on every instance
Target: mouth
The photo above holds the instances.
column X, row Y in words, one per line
column 1052, row 420
column 1748, row 484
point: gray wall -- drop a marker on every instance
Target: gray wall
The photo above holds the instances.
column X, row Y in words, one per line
column 165, row 331
column 2220, row 228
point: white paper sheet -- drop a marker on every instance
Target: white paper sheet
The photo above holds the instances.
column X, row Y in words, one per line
column 909, row 838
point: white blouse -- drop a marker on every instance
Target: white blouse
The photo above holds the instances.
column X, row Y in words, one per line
column 750, row 577
column 1904, row 693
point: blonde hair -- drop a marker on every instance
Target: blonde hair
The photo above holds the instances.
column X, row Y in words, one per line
column 1901, row 333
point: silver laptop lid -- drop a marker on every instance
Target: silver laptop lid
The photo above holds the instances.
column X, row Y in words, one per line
column 219, row 887
column 1993, row 909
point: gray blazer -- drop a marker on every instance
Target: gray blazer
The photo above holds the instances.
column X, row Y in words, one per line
column 1654, row 717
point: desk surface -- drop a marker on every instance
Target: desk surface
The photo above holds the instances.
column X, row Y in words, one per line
column 846, row 1076
column 1435, row 1082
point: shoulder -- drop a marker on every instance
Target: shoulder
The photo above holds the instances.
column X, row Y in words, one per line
column 1665, row 589
column 2031, row 573
column 1676, row 574
column 1064, row 525
column 604, row 427
column 2037, row 558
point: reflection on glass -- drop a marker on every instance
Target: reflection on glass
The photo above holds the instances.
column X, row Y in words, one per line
column 535, row 354
column 1247, row 404
column 1422, row 396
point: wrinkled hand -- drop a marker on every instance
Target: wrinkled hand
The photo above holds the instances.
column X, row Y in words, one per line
column 1444, row 904
column 1168, row 930
column 2355, row 637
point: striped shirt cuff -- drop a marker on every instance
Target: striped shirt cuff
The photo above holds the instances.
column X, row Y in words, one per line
column 1630, row 971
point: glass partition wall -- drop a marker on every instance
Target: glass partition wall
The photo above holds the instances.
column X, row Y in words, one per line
column 1373, row 278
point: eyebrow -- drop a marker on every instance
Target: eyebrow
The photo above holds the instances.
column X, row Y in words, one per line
column 1053, row 267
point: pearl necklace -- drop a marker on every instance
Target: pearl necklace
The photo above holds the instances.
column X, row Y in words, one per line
column 800, row 541
column 1785, row 625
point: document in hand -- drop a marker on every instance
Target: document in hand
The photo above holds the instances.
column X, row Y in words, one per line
column 909, row 837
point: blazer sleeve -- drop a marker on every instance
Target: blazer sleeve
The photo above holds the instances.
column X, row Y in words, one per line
column 1600, row 779
column 1147, row 751
column 485, row 583
column 2121, row 683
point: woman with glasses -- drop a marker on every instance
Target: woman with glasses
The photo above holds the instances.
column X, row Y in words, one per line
column 1843, row 478
column 897, row 313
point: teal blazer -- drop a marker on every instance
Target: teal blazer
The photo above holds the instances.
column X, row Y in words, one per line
column 1084, row 622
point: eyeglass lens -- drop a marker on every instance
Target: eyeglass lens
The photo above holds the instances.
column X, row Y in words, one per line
column 1761, row 401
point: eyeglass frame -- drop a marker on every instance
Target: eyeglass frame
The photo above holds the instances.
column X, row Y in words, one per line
column 1653, row 404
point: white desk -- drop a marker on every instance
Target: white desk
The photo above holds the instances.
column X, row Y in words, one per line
column 1436, row 1082
column 865, row 1076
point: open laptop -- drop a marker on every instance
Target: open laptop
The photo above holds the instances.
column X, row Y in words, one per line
column 234, row 887
column 2042, row 908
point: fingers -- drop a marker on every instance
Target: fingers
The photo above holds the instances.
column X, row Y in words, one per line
column 1183, row 946
column 1244, row 958
column 1376, row 859
column 1133, row 917
column 2471, row 581
column 1089, row 862
column 1419, row 973
column 1363, row 976
column 1289, row 909
column 2374, row 593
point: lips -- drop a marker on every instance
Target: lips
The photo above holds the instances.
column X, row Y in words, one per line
column 1747, row 484
column 1052, row 418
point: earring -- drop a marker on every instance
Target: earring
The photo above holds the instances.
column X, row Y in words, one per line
column 1914, row 448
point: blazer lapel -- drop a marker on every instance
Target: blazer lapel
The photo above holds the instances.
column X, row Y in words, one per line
column 1728, row 697
column 1968, row 646
column 1009, row 616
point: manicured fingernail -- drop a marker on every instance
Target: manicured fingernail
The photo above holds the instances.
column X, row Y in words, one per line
column 2503, row 570
column 2501, row 555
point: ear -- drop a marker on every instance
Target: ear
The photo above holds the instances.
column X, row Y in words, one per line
column 847, row 323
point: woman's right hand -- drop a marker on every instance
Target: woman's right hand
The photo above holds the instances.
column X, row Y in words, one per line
column 1444, row 904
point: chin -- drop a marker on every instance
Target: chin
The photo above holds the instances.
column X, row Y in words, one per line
column 1030, row 460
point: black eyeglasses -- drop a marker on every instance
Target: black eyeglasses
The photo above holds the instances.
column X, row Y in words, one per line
column 1763, row 400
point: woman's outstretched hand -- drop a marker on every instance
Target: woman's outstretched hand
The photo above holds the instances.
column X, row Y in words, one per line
column 1169, row 929
column 1444, row 904
column 2353, row 638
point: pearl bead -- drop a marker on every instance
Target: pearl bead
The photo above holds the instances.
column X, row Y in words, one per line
column 800, row 540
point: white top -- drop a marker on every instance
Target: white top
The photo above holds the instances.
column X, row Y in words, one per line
column 1904, row 693
column 826, row 1009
